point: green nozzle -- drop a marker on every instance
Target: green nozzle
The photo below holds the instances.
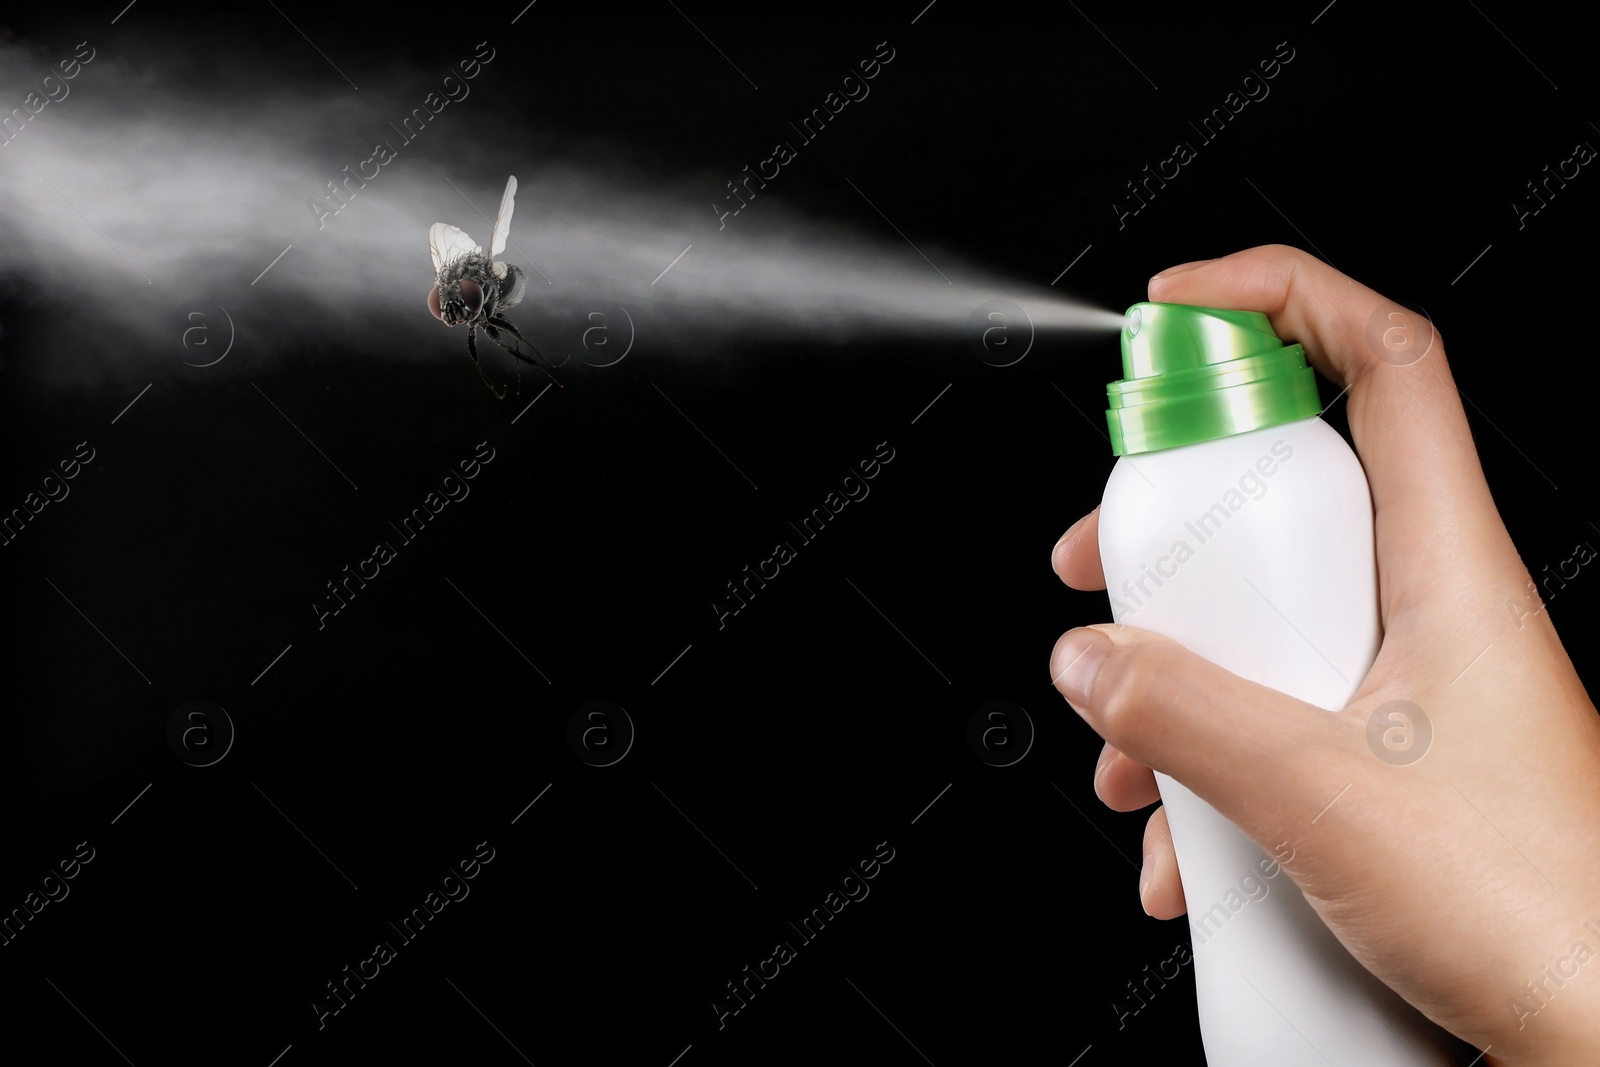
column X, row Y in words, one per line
column 1194, row 374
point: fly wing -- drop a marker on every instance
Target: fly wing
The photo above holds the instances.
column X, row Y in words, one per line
column 502, row 219
column 448, row 244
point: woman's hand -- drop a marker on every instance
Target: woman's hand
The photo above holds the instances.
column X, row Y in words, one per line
column 1468, row 881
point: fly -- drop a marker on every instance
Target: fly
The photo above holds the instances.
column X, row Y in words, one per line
column 474, row 289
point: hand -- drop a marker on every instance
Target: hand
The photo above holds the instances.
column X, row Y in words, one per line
column 1455, row 879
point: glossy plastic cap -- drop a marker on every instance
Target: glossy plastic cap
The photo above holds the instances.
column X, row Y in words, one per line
column 1194, row 374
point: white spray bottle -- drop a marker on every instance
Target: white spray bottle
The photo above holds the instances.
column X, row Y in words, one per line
column 1240, row 524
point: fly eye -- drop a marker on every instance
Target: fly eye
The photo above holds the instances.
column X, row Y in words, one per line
column 433, row 303
column 471, row 295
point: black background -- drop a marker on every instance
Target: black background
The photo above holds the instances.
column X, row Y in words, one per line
column 824, row 717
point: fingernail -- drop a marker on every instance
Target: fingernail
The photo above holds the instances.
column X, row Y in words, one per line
column 1075, row 663
column 1070, row 531
column 1060, row 553
column 1145, row 882
column 1180, row 268
column 1108, row 757
column 1107, row 754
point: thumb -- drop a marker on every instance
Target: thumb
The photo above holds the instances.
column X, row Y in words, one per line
column 1265, row 760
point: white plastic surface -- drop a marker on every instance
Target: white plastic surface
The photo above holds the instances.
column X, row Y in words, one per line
column 1256, row 551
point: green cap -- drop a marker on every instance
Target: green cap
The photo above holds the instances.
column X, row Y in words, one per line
column 1194, row 374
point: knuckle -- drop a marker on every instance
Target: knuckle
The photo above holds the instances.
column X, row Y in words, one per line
column 1283, row 260
column 1134, row 679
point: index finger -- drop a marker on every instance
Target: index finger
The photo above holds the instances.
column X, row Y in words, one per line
column 1437, row 525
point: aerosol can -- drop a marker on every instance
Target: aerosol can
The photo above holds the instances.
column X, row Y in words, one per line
column 1240, row 524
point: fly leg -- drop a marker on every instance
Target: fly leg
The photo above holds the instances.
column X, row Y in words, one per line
column 494, row 335
column 472, row 350
column 539, row 360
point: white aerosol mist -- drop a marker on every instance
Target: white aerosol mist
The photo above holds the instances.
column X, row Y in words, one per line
column 1240, row 524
